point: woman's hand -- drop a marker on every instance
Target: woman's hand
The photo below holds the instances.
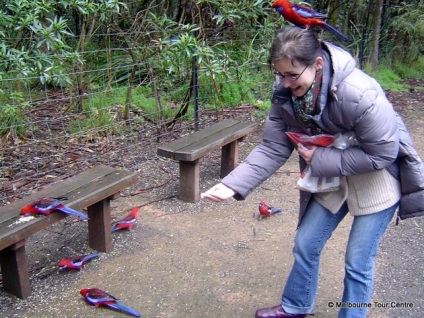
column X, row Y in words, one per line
column 218, row 193
column 306, row 153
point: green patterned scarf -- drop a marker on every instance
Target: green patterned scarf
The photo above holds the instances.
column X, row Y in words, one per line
column 306, row 107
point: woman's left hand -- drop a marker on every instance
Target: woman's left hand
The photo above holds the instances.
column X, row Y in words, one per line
column 306, row 152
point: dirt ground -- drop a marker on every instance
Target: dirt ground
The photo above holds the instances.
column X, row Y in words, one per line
column 216, row 259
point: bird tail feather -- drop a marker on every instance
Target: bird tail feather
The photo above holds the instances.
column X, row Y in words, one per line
column 333, row 30
column 123, row 308
column 73, row 212
column 276, row 210
column 89, row 257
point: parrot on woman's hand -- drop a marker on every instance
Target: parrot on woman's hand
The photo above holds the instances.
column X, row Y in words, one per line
column 127, row 222
column 76, row 262
column 265, row 210
column 303, row 16
column 45, row 206
column 98, row 297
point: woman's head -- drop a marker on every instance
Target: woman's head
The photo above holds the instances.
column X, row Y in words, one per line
column 296, row 56
column 296, row 44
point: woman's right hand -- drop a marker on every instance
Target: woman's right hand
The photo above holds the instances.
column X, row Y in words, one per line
column 218, row 193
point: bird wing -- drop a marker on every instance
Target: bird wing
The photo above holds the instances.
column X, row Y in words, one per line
column 306, row 12
column 46, row 204
column 99, row 297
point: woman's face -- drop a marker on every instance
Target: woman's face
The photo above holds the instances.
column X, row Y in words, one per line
column 297, row 77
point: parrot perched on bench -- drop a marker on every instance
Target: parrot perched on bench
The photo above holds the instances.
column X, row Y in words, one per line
column 47, row 205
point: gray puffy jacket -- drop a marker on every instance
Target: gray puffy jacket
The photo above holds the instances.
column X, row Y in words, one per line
column 349, row 100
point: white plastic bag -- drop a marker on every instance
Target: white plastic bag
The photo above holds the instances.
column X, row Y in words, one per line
column 312, row 184
column 344, row 141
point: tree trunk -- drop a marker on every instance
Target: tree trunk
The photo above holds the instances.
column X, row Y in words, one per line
column 375, row 36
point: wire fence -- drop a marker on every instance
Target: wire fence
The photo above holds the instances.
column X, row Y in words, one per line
column 51, row 132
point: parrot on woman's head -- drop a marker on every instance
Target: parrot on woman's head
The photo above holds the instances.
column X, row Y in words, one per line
column 303, row 16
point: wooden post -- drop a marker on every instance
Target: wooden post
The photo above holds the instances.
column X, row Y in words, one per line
column 229, row 158
column 14, row 270
column 190, row 181
column 99, row 226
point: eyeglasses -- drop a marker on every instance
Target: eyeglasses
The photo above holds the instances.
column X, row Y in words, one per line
column 290, row 77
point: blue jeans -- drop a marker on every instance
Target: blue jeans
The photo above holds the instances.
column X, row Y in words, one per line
column 314, row 230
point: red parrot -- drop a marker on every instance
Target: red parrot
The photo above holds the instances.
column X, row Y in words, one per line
column 303, row 16
column 45, row 206
column 265, row 210
column 127, row 222
column 76, row 262
column 98, row 297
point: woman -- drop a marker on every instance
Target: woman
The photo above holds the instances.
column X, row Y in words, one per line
column 319, row 90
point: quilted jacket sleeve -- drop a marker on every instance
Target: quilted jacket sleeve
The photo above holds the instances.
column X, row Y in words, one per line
column 264, row 159
column 372, row 118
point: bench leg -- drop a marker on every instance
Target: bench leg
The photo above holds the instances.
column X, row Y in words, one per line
column 99, row 226
column 14, row 269
column 229, row 158
column 189, row 181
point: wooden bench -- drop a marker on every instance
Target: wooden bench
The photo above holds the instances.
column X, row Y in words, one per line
column 92, row 189
column 190, row 148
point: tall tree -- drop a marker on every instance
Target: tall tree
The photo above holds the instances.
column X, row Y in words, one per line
column 375, row 34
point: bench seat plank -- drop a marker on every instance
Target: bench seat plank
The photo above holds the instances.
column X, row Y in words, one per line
column 168, row 150
column 202, row 146
column 189, row 149
column 82, row 190
column 92, row 189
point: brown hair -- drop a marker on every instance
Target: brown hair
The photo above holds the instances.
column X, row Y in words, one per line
column 296, row 44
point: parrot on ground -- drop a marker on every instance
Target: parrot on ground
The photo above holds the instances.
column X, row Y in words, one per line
column 46, row 205
column 265, row 210
column 76, row 262
column 303, row 16
column 97, row 297
column 127, row 222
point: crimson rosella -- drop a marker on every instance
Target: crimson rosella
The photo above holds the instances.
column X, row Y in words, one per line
column 45, row 206
column 265, row 210
column 76, row 262
column 127, row 222
column 303, row 16
column 98, row 297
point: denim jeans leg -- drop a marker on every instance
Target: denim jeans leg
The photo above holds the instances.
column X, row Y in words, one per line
column 314, row 230
column 364, row 238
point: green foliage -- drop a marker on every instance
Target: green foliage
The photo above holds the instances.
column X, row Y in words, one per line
column 407, row 29
column 100, row 112
column 12, row 118
column 38, row 48
column 415, row 71
column 388, row 79
column 151, row 48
